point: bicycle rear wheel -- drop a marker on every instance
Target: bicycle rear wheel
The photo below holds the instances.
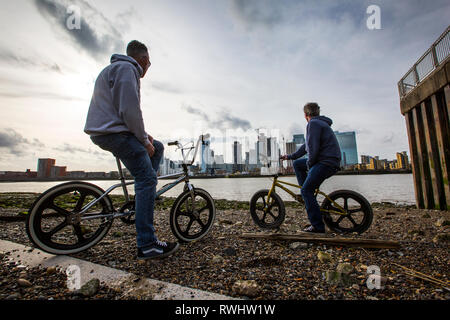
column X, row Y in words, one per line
column 358, row 217
column 190, row 223
column 54, row 226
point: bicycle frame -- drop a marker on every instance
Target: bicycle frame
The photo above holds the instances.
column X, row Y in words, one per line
column 184, row 176
column 279, row 183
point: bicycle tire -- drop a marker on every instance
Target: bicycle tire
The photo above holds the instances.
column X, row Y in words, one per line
column 364, row 207
column 41, row 238
column 202, row 225
column 256, row 211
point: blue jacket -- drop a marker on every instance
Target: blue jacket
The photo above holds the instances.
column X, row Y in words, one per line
column 116, row 101
column 321, row 144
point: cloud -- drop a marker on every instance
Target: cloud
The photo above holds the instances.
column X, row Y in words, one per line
column 69, row 148
column 224, row 121
column 97, row 35
column 39, row 95
column 166, row 87
column 16, row 144
column 252, row 13
column 20, row 60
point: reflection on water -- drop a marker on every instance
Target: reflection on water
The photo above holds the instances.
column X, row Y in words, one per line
column 376, row 188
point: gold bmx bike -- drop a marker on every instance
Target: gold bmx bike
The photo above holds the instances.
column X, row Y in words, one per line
column 343, row 211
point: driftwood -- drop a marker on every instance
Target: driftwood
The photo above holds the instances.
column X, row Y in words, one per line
column 336, row 241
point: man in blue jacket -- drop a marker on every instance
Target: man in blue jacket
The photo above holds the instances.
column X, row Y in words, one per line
column 324, row 158
column 114, row 123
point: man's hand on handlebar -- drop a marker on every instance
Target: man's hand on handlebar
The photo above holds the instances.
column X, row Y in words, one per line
column 284, row 157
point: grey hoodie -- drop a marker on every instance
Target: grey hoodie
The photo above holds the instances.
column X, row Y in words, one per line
column 116, row 101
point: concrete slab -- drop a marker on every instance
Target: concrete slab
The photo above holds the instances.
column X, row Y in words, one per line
column 128, row 283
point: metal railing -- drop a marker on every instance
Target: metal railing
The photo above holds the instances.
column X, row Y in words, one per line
column 431, row 59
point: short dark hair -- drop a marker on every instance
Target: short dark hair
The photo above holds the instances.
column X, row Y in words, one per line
column 136, row 48
column 311, row 109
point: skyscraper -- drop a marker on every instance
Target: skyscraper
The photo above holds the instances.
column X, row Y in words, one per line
column 347, row 143
column 205, row 155
column 299, row 139
column 237, row 156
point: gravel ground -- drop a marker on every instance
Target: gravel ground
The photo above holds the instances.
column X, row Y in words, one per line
column 276, row 270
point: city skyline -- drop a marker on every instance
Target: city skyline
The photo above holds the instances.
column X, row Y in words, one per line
column 216, row 66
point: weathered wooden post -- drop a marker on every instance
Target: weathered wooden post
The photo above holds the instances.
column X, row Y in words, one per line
column 425, row 102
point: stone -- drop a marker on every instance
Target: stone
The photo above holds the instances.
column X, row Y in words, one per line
column 441, row 237
column 344, row 268
column 324, row 256
column 442, row 222
column 24, row 283
column 337, row 278
column 298, row 245
column 51, row 270
column 249, row 288
column 229, row 251
column 217, row 259
column 426, row 215
column 90, row 288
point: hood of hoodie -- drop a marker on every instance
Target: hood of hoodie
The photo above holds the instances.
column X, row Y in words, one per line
column 324, row 119
column 121, row 57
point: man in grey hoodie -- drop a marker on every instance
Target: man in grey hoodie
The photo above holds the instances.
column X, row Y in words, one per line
column 324, row 158
column 114, row 123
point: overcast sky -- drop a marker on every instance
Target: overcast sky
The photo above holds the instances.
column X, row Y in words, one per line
column 226, row 67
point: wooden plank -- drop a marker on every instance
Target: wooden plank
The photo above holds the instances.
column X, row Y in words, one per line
column 422, row 159
column 414, row 160
column 336, row 241
column 433, row 155
column 443, row 137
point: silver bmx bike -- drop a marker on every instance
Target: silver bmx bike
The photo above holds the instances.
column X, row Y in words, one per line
column 74, row 216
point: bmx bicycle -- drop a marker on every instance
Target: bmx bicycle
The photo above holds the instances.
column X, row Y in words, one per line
column 343, row 211
column 74, row 216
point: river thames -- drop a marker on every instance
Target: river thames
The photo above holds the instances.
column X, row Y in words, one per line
column 396, row 188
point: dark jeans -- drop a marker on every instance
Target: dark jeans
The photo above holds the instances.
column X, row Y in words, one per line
column 310, row 181
column 144, row 169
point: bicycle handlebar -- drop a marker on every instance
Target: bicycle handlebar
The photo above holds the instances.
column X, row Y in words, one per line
column 201, row 138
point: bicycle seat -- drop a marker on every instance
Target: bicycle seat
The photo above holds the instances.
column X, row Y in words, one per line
column 173, row 143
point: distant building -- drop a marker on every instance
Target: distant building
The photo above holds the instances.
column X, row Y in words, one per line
column 365, row 159
column 402, row 160
column 44, row 167
column 347, row 143
column 299, row 139
column 57, row 172
column 237, row 156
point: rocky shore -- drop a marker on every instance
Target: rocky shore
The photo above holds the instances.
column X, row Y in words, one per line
column 225, row 263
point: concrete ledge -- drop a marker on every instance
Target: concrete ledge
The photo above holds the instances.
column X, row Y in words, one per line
column 129, row 283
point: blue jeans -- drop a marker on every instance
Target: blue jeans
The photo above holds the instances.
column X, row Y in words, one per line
column 310, row 181
column 144, row 169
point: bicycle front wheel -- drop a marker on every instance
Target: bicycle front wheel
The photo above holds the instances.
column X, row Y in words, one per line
column 192, row 220
column 53, row 223
column 267, row 213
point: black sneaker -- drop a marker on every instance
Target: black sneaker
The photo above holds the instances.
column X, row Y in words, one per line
column 157, row 249
column 311, row 229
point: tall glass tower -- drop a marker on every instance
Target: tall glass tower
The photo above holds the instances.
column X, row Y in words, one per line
column 347, row 143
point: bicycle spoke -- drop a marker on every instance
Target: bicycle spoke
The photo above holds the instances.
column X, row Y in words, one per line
column 346, row 204
column 189, row 225
column 340, row 219
column 59, row 210
column 59, row 227
column 80, row 202
column 351, row 220
column 355, row 210
column 78, row 232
